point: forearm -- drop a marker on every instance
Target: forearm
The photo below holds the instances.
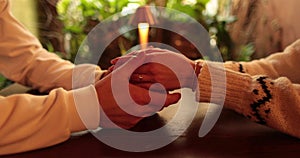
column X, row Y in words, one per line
column 30, row 122
column 274, row 103
column 281, row 64
column 22, row 58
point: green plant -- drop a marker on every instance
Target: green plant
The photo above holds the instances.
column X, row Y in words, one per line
column 80, row 16
column 246, row 52
column 194, row 9
column 216, row 23
column 218, row 28
column 4, row 82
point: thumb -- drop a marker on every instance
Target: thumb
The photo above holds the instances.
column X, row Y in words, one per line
column 115, row 60
column 149, row 50
column 125, row 57
column 127, row 68
column 172, row 99
column 121, row 60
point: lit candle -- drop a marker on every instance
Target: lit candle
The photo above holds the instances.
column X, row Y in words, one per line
column 143, row 34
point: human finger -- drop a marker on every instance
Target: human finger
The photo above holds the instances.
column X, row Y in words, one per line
column 124, row 58
column 172, row 99
column 134, row 53
column 121, row 60
column 147, row 85
column 146, row 68
column 114, row 61
column 141, row 78
column 111, row 68
column 160, row 96
column 125, row 70
column 154, row 107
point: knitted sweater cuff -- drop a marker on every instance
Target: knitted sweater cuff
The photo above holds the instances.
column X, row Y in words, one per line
column 222, row 86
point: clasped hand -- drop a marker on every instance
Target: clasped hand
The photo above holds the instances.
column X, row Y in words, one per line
column 160, row 66
column 140, row 70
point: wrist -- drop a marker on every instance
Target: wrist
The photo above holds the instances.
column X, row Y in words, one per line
column 197, row 65
column 191, row 80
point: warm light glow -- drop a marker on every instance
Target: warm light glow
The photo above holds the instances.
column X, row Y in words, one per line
column 143, row 34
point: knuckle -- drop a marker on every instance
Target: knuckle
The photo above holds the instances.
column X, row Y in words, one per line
column 142, row 100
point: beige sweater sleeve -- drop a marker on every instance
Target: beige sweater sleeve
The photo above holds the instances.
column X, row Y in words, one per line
column 281, row 64
column 273, row 101
column 22, row 58
column 29, row 122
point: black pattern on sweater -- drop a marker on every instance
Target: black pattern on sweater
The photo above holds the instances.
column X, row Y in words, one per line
column 257, row 105
column 241, row 68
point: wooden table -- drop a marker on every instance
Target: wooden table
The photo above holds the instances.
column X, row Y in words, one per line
column 232, row 136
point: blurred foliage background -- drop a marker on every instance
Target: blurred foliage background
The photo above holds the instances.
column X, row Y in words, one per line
column 62, row 25
column 79, row 16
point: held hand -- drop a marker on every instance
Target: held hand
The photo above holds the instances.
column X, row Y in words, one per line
column 150, row 73
column 153, row 72
column 141, row 96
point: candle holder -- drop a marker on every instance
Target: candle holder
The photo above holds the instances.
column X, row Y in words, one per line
column 143, row 18
column 143, row 14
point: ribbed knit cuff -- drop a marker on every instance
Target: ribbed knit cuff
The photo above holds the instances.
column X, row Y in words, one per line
column 85, row 75
column 222, row 86
column 85, row 114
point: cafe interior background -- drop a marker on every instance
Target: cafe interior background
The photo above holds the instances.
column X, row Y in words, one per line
column 242, row 30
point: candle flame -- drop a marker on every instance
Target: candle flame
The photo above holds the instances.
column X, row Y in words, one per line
column 143, row 34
